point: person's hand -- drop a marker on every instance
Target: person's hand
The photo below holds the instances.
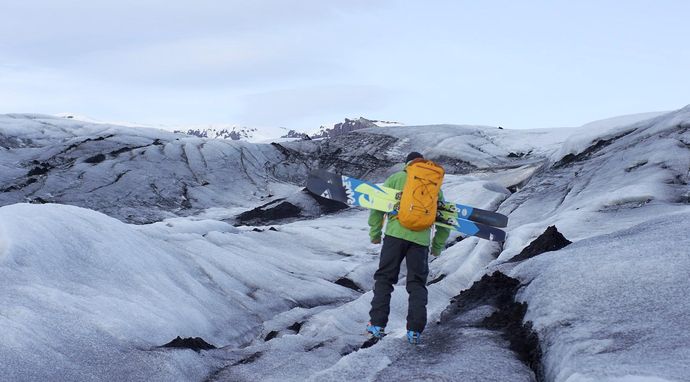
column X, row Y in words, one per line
column 436, row 252
column 376, row 240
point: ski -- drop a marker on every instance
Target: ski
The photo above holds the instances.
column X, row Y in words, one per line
column 346, row 187
column 463, row 211
column 482, row 231
column 356, row 192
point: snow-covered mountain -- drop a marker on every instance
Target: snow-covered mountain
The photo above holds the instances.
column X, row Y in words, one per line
column 234, row 133
column 251, row 134
column 135, row 236
column 212, row 131
column 263, row 135
column 342, row 128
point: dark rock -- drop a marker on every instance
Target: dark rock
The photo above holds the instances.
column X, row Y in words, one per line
column 369, row 343
column 347, row 283
column 343, row 128
column 498, row 291
column 197, row 344
column 296, row 134
column 636, row 166
column 522, row 338
column 15, row 187
column 550, row 240
column 454, row 241
column 271, row 335
column 121, row 150
column 319, row 345
column 454, row 165
column 156, row 142
column 250, row 359
column 589, row 151
column 514, row 155
column 77, row 144
column 296, row 327
column 360, row 154
column 40, row 170
column 270, row 212
column 495, row 290
column 95, row 159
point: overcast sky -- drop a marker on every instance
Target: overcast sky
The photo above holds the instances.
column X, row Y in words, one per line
column 298, row 64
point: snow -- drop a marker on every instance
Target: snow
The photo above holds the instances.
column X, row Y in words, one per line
column 254, row 134
column 97, row 287
column 387, row 123
column 603, row 129
column 618, row 300
column 143, row 175
column 86, row 296
column 480, row 145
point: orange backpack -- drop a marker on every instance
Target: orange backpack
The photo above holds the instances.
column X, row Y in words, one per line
column 419, row 198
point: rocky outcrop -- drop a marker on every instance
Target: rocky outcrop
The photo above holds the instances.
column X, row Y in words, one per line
column 194, row 343
column 496, row 293
column 549, row 240
column 234, row 133
column 344, row 127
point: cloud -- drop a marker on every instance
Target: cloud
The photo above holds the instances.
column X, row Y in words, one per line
column 62, row 30
column 208, row 63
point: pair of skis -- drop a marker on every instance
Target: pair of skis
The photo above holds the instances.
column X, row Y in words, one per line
column 356, row 192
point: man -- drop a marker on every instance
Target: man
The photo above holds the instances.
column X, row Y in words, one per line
column 401, row 243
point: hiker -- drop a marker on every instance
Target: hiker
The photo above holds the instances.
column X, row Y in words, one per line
column 408, row 236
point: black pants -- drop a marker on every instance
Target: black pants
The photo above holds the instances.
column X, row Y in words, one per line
column 392, row 254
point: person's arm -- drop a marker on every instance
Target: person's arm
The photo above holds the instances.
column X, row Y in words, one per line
column 375, row 225
column 439, row 241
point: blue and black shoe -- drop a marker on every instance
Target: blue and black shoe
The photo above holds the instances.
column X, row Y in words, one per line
column 376, row 331
column 414, row 337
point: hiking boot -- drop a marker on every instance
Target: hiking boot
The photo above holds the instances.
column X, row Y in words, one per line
column 414, row 337
column 376, row 331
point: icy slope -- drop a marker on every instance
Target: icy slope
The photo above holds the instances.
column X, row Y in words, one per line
column 134, row 174
column 85, row 296
column 613, row 305
column 597, row 185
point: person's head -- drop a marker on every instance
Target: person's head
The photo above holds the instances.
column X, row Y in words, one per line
column 412, row 156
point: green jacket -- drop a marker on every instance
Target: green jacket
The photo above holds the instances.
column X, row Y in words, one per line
column 393, row 227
